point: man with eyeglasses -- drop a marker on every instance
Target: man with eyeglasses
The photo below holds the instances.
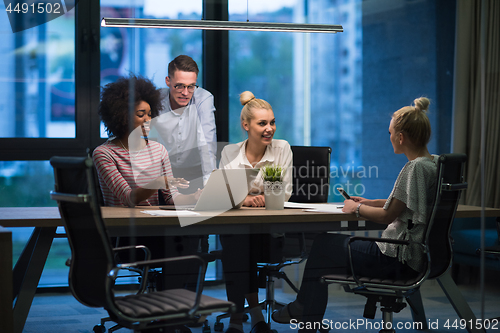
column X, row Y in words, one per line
column 186, row 125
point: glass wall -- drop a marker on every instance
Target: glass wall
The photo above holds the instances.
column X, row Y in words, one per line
column 335, row 90
column 339, row 90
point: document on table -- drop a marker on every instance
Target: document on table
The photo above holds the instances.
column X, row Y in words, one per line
column 311, row 207
column 170, row 212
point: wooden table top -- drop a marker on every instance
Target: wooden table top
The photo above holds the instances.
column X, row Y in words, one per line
column 120, row 216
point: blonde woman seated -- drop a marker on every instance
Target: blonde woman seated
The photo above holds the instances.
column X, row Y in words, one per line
column 241, row 252
column 405, row 213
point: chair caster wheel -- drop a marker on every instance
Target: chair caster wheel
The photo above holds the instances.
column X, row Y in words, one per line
column 206, row 328
column 219, row 327
column 99, row 329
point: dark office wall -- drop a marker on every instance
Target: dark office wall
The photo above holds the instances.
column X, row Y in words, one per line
column 407, row 53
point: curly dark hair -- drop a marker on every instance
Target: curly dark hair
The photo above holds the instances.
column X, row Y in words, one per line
column 114, row 106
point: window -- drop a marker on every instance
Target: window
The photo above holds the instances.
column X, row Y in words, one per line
column 147, row 51
column 309, row 79
column 38, row 68
column 37, row 102
column 340, row 90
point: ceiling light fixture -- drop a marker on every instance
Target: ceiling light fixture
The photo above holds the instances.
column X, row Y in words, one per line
column 219, row 25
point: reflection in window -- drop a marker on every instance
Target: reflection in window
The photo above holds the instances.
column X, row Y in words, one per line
column 37, row 85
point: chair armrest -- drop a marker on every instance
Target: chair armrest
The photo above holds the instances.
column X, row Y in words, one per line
column 147, row 256
column 160, row 261
column 199, row 283
column 454, row 187
column 382, row 240
column 145, row 249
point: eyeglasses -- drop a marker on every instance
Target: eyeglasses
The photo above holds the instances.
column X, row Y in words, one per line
column 180, row 87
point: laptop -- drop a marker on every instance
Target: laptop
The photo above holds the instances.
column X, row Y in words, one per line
column 225, row 189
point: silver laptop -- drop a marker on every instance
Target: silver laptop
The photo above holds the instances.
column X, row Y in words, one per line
column 225, row 189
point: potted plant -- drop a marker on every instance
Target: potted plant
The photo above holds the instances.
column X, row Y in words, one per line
column 274, row 191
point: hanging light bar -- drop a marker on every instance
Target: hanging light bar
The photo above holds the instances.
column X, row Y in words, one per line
column 218, row 25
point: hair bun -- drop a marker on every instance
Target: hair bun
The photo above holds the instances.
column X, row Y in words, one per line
column 246, row 97
column 422, row 103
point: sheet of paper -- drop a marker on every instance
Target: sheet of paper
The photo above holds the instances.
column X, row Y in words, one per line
column 330, row 209
column 322, row 206
column 170, row 212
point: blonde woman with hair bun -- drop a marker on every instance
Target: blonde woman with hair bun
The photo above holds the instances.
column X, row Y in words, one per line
column 404, row 212
column 260, row 149
column 241, row 252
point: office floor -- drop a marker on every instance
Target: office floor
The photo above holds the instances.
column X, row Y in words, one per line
column 58, row 313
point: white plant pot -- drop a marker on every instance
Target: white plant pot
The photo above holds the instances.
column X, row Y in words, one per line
column 274, row 193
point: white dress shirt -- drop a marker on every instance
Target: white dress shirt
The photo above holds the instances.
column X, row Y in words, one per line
column 189, row 133
column 278, row 152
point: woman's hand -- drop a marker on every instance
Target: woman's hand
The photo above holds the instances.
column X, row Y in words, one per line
column 373, row 210
column 255, row 201
column 369, row 202
column 358, row 199
column 350, row 206
column 176, row 182
column 197, row 194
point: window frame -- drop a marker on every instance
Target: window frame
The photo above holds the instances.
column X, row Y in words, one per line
column 87, row 55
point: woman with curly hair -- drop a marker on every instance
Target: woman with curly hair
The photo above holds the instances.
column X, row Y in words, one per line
column 132, row 169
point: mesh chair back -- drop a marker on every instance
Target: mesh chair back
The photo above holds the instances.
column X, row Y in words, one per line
column 91, row 253
column 311, row 174
column 451, row 169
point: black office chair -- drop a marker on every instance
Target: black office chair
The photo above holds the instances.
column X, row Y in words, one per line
column 311, row 184
column 192, row 244
column 391, row 294
column 94, row 269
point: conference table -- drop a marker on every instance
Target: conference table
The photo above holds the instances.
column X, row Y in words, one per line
column 21, row 285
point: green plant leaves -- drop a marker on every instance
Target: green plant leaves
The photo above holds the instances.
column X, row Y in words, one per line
column 272, row 173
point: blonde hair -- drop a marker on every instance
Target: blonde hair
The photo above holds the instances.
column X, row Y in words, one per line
column 413, row 121
column 250, row 103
